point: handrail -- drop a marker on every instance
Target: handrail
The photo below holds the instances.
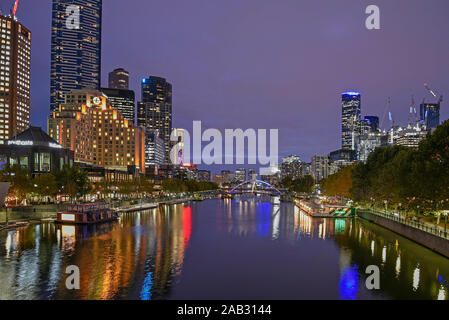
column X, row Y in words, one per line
column 423, row 226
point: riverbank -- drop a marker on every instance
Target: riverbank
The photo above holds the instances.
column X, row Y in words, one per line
column 421, row 233
column 38, row 213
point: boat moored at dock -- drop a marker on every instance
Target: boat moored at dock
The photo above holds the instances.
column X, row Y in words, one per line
column 86, row 213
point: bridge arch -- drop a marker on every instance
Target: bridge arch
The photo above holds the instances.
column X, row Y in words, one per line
column 254, row 182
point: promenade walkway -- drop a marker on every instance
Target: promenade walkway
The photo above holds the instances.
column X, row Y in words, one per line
column 412, row 222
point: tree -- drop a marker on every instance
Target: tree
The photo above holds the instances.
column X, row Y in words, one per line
column 339, row 184
column 73, row 181
column 20, row 180
column 416, row 178
column 45, row 185
column 301, row 185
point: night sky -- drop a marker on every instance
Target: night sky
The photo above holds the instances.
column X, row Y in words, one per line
column 263, row 63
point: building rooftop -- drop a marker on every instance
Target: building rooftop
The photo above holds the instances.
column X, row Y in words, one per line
column 33, row 136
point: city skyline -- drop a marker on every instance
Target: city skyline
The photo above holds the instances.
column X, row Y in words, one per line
column 248, row 103
column 224, row 150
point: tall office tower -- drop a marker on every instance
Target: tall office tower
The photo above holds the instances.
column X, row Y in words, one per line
column 15, row 57
column 351, row 109
column 240, row 175
column 154, row 149
column 430, row 115
column 373, row 122
column 291, row 167
column 98, row 134
column 320, row 167
column 252, row 175
column 155, row 110
column 75, row 47
column 119, row 79
column 123, row 100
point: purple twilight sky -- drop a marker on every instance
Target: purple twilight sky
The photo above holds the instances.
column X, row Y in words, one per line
column 263, row 63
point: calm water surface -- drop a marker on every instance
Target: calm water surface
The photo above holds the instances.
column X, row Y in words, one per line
column 247, row 248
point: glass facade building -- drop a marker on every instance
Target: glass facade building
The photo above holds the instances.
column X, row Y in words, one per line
column 430, row 115
column 154, row 112
column 351, row 110
column 119, row 79
column 75, row 49
column 373, row 122
column 36, row 152
column 122, row 100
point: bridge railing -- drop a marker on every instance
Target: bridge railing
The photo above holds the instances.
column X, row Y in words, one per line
column 411, row 222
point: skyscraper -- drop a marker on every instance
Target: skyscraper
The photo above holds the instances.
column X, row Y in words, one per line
column 373, row 122
column 320, row 167
column 154, row 149
column 291, row 167
column 430, row 115
column 351, row 110
column 75, row 47
column 15, row 56
column 155, row 110
column 119, row 79
column 123, row 100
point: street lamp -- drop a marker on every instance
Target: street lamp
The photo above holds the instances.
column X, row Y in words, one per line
column 445, row 222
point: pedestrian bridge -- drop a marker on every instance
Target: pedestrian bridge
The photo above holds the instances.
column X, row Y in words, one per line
column 256, row 186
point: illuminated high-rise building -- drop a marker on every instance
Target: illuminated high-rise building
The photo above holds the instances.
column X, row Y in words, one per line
column 15, row 57
column 320, row 167
column 119, row 79
column 98, row 133
column 155, row 110
column 154, row 149
column 123, row 100
column 75, row 47
column 373, row 123
column 351, row 110
column 430, row 115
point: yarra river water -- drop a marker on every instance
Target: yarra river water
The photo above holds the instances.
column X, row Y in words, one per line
column 247, row 248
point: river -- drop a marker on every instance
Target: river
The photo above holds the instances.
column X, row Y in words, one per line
column 246, row 248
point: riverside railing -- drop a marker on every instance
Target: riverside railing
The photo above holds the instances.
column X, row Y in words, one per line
column 412, row 222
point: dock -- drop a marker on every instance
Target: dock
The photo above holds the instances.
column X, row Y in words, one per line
column 317, row 210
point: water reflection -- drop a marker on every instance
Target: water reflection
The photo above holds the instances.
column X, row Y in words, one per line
column 135, row 258
column 143, row 256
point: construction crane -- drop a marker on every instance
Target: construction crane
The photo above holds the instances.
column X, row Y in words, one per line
column 434, row 93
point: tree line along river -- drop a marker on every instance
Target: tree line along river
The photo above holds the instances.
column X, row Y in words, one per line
column 246, row 248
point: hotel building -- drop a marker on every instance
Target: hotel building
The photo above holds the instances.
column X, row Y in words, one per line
column 98, row 134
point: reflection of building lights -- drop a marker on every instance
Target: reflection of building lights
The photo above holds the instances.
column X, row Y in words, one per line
column 349, row 283
column 442, row 294
column 187, row 224
column 384, row 254
column 340, row 225
column 398, row 266
column 416, row 279
column 68, row 231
